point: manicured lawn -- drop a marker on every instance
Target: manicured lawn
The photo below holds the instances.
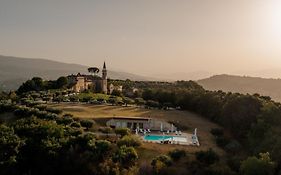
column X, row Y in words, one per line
column 93, row 95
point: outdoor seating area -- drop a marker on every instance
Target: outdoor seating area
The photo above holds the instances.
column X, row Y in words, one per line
column 168, row 137
column 139, row 131
column 154, row 131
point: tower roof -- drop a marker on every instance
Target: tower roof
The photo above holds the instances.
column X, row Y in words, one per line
column 104, row 66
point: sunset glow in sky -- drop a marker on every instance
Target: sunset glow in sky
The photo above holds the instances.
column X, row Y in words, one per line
column 144, row 36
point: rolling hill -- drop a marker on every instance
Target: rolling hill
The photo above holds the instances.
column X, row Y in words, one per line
column 15, row 70
column 244, row 84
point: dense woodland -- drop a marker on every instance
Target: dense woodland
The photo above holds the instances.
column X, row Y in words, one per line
column 59, row 144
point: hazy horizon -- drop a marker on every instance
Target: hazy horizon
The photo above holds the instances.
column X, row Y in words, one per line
column 148, row 37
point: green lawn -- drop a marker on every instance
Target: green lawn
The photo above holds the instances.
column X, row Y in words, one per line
column 94, row 96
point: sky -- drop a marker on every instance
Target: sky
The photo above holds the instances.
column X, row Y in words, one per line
column 148, row 37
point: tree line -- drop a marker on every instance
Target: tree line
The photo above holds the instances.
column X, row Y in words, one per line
column 252, row 120
column 38, row 84
column 40, row 140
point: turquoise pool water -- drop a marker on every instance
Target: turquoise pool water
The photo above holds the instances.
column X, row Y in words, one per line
column 156, row 137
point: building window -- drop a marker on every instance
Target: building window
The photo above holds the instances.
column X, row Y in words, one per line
column 141, row 125
column 135, row 126
column 124, row 124
column 129, row 125
column 118, row 124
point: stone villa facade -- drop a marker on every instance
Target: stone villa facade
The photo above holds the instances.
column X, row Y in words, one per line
column 82, row 82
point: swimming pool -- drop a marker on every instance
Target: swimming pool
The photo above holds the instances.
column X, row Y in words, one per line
column 158, row 138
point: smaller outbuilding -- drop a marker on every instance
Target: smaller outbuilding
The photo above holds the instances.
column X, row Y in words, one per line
column 141, row 123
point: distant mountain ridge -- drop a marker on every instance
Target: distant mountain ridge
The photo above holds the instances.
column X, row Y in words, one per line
column 244, row 84
column 195, row 75
column 15, row 70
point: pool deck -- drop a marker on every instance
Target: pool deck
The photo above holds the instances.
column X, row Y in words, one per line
column 184, row 139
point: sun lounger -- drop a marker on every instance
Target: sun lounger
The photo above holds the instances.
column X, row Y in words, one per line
column 168, row 131
column 180, row 133
column 166, row 141
column 148, row 130
column 176, row 132
column 141, row 130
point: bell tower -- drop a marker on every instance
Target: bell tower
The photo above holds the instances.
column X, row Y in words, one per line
column 104, row 72
column 104, row 79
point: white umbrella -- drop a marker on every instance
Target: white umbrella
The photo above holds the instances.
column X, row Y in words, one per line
column 172, row 128
column 195, row 131
column 136, row 131
column 161, row 127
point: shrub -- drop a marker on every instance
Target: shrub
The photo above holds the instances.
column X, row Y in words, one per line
column 133, row 141
column 103, row 148
column 68, row 115
column 54, row 110
column 32, row 103
column 139, row 101
column 75, row 125
column 177, row 154
column 105, row 130
column 126, row 156
column 41, row 107
column 233, row 146
column 74, row 99
column 26, row 112
column 65, row 120
column 261, row 165
column 166, row 160
column 41, row 114
column 153, row 104
column 113, row 100
column 208, row 157
column 10, row 144
column 51, row 116
column 234, row 162
column 22, row 112
column 116, row 93
column 70, row 131
column 7, row 107
column 87, row 123
column 122, row 131
column 222, row 141
column 217, row 132
column 219, row 169
column 86, row 99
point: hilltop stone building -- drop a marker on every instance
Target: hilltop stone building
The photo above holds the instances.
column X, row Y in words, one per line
column 111, row 88
column 82, row 82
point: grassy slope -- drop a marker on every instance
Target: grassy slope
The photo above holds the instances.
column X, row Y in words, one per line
column 148, row 151
column 187, row 119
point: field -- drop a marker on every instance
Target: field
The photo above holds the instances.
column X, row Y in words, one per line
column 185, row 120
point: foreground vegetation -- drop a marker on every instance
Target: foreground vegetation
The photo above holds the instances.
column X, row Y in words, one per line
column 43, row 140
column 183, row 120
column 40, row 141
column 250, row 133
